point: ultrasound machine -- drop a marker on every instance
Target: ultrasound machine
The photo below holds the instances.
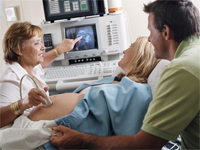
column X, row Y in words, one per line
column 96, row 55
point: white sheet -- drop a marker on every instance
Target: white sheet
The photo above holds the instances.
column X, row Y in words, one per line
column 26, row 134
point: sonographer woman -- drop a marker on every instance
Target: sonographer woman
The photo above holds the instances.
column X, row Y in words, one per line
column 24, row 54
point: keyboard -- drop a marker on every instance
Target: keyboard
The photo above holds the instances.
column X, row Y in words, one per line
column 80, row 71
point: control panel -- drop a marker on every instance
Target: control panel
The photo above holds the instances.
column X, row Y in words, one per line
column 84, row 60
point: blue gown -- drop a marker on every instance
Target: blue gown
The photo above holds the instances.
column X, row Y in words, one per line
column 109, row 109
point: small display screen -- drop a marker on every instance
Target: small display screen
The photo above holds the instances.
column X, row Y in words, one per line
column 89, row 38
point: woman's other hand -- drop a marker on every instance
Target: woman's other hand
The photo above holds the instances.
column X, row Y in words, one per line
column 67, row 45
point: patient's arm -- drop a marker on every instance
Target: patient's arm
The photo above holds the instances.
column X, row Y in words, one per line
column 63, row 104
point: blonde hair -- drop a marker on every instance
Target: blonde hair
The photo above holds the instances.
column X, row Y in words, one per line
column 15, row 37
column 143, row 61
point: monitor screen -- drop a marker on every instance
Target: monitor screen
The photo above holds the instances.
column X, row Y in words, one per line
column 67, row 9
column 58, row 7
column 89, row 37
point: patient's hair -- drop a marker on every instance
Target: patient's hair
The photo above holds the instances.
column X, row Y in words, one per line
column 14, row 39
column 143, row 62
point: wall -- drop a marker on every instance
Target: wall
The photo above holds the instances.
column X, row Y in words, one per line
column 32, row 10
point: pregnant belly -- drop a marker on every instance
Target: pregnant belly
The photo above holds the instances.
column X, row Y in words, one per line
column 63, row 104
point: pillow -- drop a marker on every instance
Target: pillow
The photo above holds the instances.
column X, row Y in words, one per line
column 154, row 77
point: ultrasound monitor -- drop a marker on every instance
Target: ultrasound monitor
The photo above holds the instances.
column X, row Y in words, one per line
column 88, row 48
column 67, row 9
column 88, row 34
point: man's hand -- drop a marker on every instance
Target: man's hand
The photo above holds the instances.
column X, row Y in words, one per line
column 63, row 138
column 71, row 139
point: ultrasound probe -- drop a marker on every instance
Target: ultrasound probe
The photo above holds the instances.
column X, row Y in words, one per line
column 49, row 102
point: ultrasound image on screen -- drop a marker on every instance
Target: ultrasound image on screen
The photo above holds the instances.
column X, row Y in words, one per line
column 88, row 41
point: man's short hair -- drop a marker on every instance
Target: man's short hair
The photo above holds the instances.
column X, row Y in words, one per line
column 181, row 16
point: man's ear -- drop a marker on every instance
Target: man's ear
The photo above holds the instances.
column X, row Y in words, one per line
column 166, row 32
